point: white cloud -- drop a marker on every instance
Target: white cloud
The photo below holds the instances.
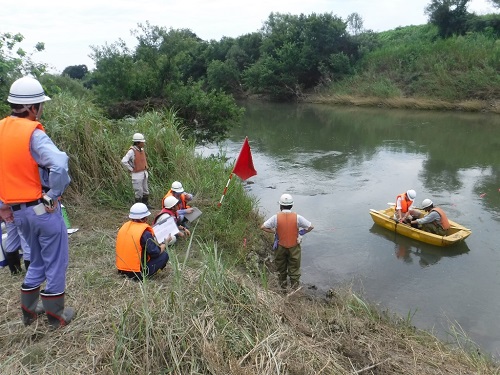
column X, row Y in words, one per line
column 69, row 28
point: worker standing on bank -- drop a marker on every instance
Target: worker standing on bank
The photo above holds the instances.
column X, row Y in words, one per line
column 136, row 163
column 26, row 154
column 287, row 225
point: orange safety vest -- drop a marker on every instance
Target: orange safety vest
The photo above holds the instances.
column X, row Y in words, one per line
column 287, row 229
column 19, row 176
column 405, row 205
column 182, row 200
column 140, row 163
column 444, row 219
column 129, row 253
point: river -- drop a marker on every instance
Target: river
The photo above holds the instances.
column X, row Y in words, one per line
column 338, row 162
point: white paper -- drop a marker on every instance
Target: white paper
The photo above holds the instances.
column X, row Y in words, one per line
column 165, row 228
column 194, row 215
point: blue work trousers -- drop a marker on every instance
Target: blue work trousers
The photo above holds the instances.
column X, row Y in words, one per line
column 47, row 238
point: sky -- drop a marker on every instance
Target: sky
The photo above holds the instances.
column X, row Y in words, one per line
column 68, row 28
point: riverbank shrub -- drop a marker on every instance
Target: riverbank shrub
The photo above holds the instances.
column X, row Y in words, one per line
column 411, row 64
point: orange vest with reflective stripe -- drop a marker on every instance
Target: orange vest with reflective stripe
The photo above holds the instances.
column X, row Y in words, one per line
column 19, row 176
column 140, row 162
column 444, row 219
column 182, row 200
column 287, row 229
column 405, row 205
column 128, row 246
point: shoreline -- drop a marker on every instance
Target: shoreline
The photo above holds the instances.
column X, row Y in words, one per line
column 483, row 106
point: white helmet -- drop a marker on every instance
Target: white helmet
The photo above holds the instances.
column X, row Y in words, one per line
column 177, row 187
column 138, row 137
column 138, row 211
column 426, row 203
column 286, row 200
column 26, row 90
column 411, row 194
column 170, row 201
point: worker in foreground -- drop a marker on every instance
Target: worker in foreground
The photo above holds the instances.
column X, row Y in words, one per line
column 30, row 164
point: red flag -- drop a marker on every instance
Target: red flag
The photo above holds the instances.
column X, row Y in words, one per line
column 243, row 168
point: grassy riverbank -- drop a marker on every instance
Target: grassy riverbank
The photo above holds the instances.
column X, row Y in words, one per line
column 412, row 67
column 206, row 314
column 216, row 308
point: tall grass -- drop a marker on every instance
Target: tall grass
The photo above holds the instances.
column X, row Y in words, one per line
column 412, row 62
column 95, row 146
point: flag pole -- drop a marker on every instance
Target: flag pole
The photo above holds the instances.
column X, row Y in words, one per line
column 225, row 190
column 243, row 168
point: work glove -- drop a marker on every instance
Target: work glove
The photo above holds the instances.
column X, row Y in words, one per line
column 170, row 240
column 276, row 240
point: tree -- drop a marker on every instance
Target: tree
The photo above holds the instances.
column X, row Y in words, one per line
column 450, row 16
column 76, row 71
column 354, row 23
column 295, row 52
column 15, row 63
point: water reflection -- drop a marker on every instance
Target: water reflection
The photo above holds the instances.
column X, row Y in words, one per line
column 340, row 162
column 409, row 250
column 450, row 144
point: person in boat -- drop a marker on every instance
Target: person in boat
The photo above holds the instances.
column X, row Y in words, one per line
column 288, row 226
column 434, row 222
column 403, row 212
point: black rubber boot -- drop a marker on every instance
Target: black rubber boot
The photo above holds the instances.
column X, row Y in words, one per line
column 27, row 264
column 14, row 262
column 57, row 315
column 31, row 306
column 145, row 200
column 138, row 200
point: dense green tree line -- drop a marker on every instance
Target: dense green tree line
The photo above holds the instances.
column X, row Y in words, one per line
column 289, row 56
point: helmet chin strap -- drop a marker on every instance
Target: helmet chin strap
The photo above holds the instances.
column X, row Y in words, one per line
column 32, row 112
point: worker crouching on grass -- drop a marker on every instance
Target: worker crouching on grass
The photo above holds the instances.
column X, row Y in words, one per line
column 138, row 254
column 287, row 226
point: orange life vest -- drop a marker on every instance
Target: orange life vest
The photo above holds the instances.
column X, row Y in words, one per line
column 287, row 229
column 140, row 162
column 182, row 200
column 19, row 176
column 444, row 219
column 129, row 253
column 405, row 204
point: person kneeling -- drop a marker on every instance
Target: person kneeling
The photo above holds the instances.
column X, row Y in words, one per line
column 138, row 254
column 434, row 222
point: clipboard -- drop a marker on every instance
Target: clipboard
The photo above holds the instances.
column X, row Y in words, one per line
column 163, row 229
column 193, row 215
